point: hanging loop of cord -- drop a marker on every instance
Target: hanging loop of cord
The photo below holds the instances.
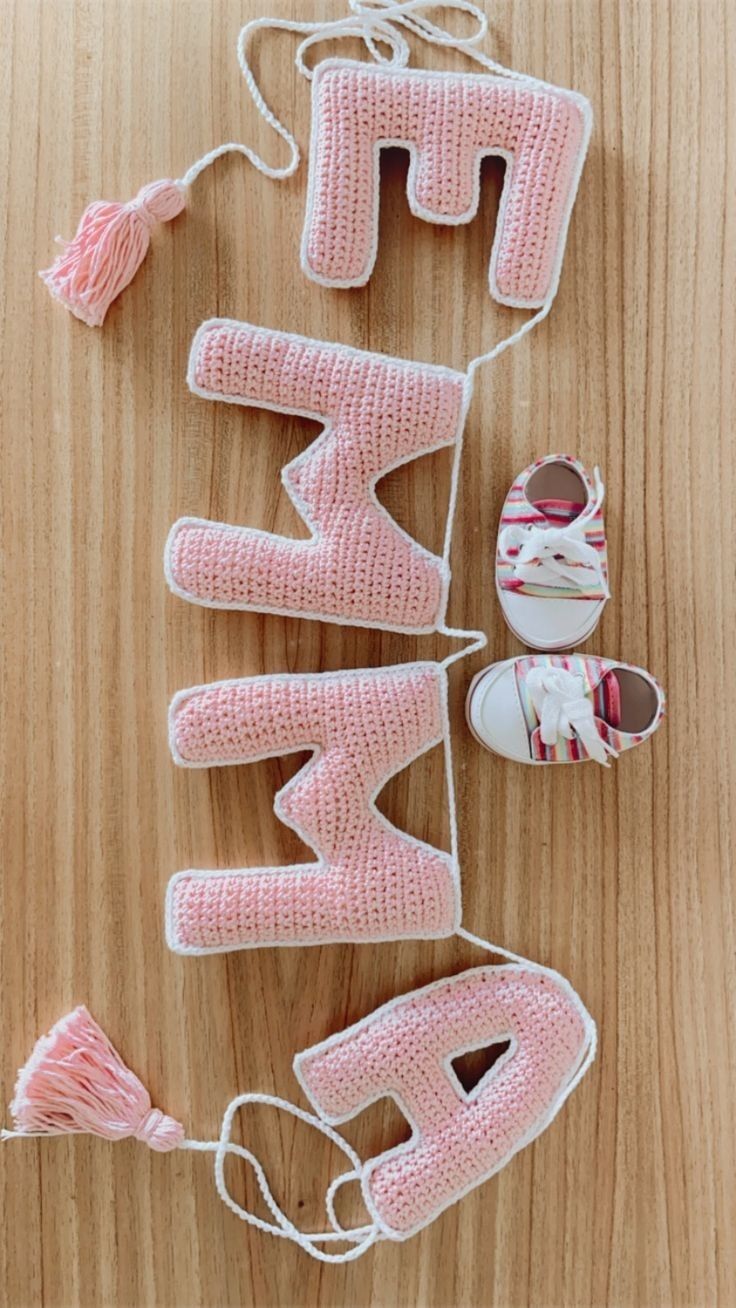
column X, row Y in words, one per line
column 361, row 1238
column 378, row 23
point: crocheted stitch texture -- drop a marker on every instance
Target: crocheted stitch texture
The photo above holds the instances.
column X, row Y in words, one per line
column 449, row 122
column 405, row 1050
column 372, row 881
column 359, row 567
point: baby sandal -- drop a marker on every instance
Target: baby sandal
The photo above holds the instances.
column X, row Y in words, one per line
column 551, row 560
column 552, row 708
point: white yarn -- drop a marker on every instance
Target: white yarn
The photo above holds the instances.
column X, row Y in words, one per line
column 376, row 23
column 361, row 1237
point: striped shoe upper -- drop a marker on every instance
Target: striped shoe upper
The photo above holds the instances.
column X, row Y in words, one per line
column 572, row 562
column 583, row 701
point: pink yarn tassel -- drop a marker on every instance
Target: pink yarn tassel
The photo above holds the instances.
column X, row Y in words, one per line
column 75, row 1081
column 108, row 249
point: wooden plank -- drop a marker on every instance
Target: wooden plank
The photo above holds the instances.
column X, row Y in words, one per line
column 622, row 879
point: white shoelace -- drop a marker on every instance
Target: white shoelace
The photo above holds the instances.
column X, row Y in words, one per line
column 547, row 555
column 565, row 710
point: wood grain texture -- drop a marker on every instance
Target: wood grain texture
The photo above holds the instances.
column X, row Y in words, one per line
column 622, row 880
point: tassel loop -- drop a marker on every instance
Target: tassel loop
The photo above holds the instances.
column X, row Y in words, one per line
column 159, row 1131
column 159, row 202
column 110, row 244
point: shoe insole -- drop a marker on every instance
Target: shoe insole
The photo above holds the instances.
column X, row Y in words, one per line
column 556, row 481
column 634, row 702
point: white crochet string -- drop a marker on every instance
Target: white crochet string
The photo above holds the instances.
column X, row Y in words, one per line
column 377, row 23
column 508, row 341
column 361, row 1237
column 478, row 640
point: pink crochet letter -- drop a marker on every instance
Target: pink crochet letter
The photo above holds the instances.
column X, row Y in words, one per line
column 405, row 1050
column 372, row 882
column 449, row 122
column 359, row 567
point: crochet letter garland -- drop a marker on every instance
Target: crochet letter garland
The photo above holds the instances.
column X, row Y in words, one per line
column 359, row 567
column 449, row 122
column 371, row 881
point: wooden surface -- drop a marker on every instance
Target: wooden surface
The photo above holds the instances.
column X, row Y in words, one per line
column 622, row 880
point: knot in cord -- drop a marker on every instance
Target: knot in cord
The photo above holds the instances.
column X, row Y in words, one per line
column 379, row 22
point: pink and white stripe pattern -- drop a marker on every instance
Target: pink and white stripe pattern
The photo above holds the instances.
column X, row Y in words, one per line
column 598, row 686
column 518, row 510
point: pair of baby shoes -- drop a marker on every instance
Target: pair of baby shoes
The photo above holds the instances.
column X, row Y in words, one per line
column 552, row 584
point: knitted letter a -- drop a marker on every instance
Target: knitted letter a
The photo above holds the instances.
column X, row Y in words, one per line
column 405, row 1050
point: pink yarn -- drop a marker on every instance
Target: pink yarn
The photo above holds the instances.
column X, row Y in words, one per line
column 360, row 567
column 109, row 246
column 373, row 882
column 448, row 121
column 75, row 1081
column 405, row 1049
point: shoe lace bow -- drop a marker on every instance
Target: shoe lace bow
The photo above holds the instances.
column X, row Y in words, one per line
column 564, row 710
column 545, row 556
